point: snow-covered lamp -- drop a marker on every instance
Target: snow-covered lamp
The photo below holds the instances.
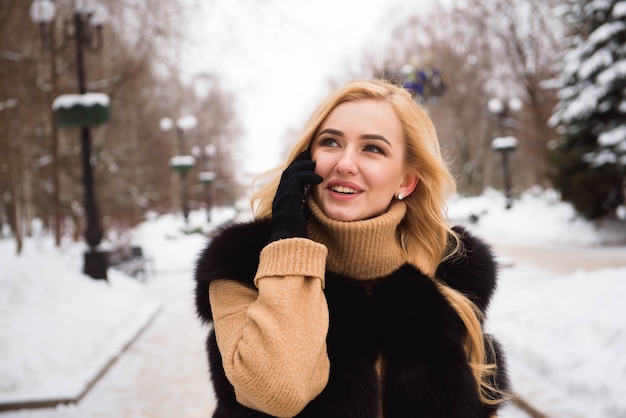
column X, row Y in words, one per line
column 499, row 107
column 43, row 11
column 166, row 124
column 76, row 110
column 182, row 163
column 504, row 143
column 85, row 6
column 495, row 106
column 206, row 176
column 81, row 110
column 187, row 123
column 99, row 16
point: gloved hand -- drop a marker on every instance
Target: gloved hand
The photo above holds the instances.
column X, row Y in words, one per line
column 288, row 220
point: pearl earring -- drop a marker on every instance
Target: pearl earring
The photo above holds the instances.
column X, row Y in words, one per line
column 400, row 196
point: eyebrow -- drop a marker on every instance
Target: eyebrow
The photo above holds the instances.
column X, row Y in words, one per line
column 364, row 136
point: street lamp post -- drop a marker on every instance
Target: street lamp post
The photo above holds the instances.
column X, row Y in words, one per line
column 182, row 163
column 207, row 177
column 505, row 144
column 86, row 29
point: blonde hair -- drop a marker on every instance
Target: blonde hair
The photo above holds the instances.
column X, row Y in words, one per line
column 424, row 233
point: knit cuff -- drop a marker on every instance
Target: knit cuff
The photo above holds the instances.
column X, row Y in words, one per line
column 292, row 257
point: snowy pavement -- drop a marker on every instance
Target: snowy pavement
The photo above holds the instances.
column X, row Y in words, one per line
column 161, row 375
column 558, row 309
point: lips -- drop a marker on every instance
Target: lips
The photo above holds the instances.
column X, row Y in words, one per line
column 344, row 190
column 343, row 187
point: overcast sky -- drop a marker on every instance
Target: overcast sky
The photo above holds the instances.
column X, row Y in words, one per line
column 277, row 56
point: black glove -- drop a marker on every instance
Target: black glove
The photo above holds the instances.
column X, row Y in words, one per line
column 288, row 220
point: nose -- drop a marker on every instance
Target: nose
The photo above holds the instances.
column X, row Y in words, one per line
column 347, row 163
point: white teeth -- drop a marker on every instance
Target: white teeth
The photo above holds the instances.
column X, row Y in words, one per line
column 342, row 189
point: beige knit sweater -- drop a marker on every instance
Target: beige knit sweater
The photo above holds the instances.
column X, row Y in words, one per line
column 273, row 339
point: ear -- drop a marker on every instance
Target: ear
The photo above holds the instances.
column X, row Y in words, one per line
column 409, row 183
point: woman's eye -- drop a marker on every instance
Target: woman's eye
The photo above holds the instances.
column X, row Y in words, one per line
column 328, row 142
column 373, row 148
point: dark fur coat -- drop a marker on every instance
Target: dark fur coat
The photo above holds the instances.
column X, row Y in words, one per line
column 402, row 317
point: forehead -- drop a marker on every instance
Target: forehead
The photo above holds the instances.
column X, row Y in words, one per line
column 367, row 116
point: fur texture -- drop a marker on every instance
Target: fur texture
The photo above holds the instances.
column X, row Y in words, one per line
column 402, row 316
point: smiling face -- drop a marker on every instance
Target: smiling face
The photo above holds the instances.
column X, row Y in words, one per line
column 359, row 151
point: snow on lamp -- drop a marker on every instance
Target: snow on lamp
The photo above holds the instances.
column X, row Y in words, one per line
column 504, row 143
column 182, row 163
column 206, row 176
column 78, row 110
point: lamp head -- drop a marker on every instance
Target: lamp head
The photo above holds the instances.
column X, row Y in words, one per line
column 42, row 11
column 100, row 16
column 495, row 106
column 166, row 124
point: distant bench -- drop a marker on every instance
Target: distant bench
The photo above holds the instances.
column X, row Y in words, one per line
column 131, row 260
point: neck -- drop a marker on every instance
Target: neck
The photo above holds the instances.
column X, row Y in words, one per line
column 360, row 249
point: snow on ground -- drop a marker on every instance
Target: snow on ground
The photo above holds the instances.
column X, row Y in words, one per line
column 537, row 217
column 57, row 329
column 564, row 338
column 563, row 331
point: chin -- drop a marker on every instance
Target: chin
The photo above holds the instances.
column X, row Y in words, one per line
column 345, row 218
column 340, row 214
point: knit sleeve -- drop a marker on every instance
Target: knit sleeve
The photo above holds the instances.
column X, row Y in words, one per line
column 273, row 339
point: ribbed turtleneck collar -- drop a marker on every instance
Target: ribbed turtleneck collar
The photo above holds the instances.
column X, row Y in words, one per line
column 360, row 249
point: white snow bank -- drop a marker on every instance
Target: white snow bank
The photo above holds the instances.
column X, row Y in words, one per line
column 564, row 339
column 537, row 216
column 59, row 328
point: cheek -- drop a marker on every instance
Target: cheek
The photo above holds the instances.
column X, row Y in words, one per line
column 384, row 179
column 323, row 163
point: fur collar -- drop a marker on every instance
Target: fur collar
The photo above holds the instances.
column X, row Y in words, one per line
column 234, row 253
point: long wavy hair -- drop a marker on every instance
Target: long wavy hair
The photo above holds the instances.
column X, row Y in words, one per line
column 424, row 233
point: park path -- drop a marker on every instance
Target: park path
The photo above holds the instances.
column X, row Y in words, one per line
column 163, row 374
column 559, row 258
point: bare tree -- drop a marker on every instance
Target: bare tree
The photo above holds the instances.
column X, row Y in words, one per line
column 18, row 99
column 486, row 49
column 527, row 38
column 139, row 71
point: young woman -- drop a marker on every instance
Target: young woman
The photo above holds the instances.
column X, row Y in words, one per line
column 350, row 295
